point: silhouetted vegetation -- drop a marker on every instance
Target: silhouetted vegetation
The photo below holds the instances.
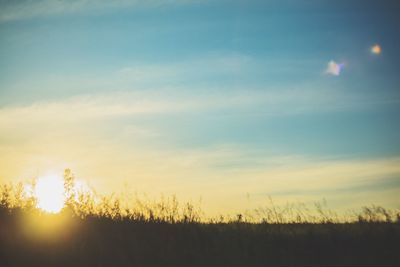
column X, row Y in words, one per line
column 94, row 230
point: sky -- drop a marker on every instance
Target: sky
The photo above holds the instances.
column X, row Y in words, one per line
column 230, row 102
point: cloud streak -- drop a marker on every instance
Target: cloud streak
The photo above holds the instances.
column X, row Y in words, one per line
column 277, row 102
column 25, row 9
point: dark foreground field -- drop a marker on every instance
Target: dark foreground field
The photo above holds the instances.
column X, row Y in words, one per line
column 64, row 240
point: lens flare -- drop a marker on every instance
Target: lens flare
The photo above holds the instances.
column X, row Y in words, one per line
column 376, row 49
column 334, row 68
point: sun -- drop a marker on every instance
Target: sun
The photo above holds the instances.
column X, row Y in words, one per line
column 50, row 195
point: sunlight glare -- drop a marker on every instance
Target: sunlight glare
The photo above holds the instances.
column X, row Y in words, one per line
column 50, row 194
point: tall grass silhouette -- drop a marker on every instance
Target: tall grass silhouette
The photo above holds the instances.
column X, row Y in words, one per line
column 100, row 230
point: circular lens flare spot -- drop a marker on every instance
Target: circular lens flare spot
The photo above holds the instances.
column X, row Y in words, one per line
column 376, row 49
column 50, row 194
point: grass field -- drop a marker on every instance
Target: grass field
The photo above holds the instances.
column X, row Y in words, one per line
column 89, row 233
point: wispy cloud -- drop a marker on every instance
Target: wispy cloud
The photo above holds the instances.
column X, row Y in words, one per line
column 25, row 9
column 119, row 104
column 207, row 65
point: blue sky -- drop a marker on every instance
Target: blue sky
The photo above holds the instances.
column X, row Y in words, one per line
column 190, row 96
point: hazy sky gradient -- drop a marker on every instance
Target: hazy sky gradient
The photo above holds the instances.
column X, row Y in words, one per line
column 230, row 101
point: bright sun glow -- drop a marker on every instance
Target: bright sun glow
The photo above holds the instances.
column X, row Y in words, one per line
column 50, row 193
